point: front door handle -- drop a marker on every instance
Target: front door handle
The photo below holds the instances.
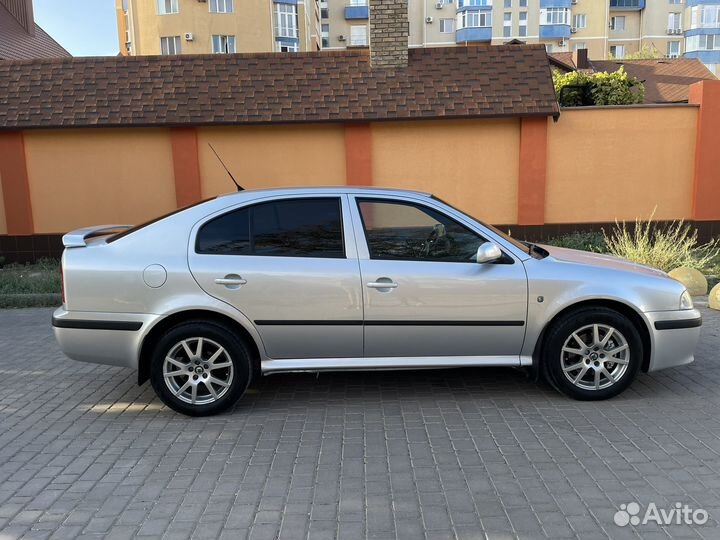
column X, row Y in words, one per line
column 383, row 283
column 231, row 281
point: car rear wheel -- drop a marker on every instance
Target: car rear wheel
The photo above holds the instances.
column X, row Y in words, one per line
column 592, row 354
column 200, row 368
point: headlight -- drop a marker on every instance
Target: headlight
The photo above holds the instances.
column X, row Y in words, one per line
column 686, row 301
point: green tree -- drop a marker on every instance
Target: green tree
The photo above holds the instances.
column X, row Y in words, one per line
column 646, row 53
column 578, row 88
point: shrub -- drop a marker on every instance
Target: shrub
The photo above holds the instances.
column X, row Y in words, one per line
column 664, row 247
column 577, row 88
column 585, row 241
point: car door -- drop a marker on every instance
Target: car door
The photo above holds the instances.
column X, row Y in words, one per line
column 424, row 292
column 290, row 266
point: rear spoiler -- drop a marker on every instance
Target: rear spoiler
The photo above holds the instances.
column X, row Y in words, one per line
column 78, row 237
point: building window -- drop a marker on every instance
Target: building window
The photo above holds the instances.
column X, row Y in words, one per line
column 507, row 24
column 508, row 3
column 167, row 7
column 554, row 16
column 674, row 22
column 703, row 43
column 221, row 6
column 358, row 2
column 578, row 45
column 705, row 16
column 580, row 21
column 170, row 45
column 474, row 19
column 674, row 1
column 522, row 24
column 358, row 35
column 523, row 3
column 673, row 49
column 617, row 22
column 447, row 26
column 286, row 47
column 286, row 21
column 617, row 51
column 223, row 44
column 325, row 35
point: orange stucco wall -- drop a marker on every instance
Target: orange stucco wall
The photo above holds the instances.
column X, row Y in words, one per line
column 271, row 156
column 86, row 177
column 472, row 164
column 600, row 164
column 621, row 163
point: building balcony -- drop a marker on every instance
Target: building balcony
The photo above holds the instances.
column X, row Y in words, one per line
column 544, row 4
column 555, row 31
column 627, row 5
column 473, row 34
column 475, row 5
column 353, row 12
column 691, row 3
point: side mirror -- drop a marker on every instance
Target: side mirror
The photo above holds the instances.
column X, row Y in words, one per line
column 488, row 252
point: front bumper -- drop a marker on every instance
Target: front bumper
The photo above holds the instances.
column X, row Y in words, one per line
column 101, row 338
column 674, row 335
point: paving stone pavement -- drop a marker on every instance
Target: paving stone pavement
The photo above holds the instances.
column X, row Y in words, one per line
column 472, row 453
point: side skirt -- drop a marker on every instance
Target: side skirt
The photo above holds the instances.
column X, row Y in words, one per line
column 362, row 364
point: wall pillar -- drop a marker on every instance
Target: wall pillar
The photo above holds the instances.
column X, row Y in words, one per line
column 706, row 183
column 15, row 184
column 533, row 171
column 358, row 155
column 186, row 165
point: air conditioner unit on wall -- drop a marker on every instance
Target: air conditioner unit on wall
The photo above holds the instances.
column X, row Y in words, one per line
column 188, row 36
column 439, row 5
column 428, row 20
column 341, row 38
column 573, row 30
column 562, row 43
column 574, row 2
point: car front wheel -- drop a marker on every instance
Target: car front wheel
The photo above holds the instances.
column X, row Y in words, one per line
column 592, row 354
column 200, row 368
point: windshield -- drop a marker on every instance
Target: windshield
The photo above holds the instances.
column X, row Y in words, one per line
column 517, row 243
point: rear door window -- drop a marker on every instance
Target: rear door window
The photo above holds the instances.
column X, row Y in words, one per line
column 309, row 227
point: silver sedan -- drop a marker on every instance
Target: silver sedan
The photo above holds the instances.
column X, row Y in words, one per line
column 206, row 299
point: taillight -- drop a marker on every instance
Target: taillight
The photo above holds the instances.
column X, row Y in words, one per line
column 62, row 283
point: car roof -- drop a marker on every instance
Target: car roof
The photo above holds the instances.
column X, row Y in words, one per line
column 325, row 189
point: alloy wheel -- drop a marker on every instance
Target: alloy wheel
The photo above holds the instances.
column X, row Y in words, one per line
column 595, row 356
column 198, row 371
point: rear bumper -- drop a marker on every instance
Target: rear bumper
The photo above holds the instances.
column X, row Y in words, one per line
column 674, row 336
column 101, row 338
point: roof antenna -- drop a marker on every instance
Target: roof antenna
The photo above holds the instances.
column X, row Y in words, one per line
column 238, row 186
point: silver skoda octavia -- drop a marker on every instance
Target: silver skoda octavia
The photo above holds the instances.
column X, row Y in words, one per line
column 204, row 300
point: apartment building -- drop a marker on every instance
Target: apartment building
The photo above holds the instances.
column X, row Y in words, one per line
column 154, row 27
column 606, row 28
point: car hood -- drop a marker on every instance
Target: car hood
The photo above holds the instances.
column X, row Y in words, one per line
column 597, row 259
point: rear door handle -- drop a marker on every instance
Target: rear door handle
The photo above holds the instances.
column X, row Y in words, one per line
column 231, row 281
column 382, row 284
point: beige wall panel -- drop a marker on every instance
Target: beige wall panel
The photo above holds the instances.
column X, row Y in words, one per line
column 607, row 164
column 92, row 177
column 472, row 164
column 272, row 156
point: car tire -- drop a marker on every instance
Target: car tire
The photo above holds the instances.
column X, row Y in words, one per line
column 592, row 353
column 200, row 368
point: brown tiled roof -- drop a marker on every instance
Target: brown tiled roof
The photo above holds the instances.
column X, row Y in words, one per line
column 457, row 82
column 562, row 60
column 16, row 43
column 666, row 80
